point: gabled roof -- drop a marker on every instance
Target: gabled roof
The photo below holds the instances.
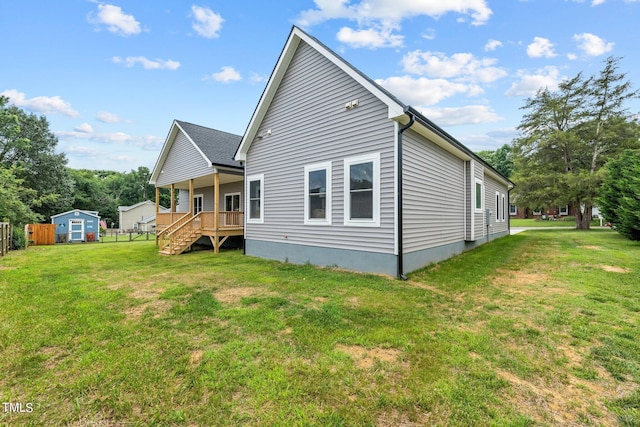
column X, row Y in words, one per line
column 90, row 213
column 128, row 208
column 397, row 110
column 216, row 147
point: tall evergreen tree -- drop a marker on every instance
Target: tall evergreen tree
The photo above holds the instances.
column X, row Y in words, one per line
column 568, row 135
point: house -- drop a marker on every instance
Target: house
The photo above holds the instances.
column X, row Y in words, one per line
column 198, row 163
column 339, row 172
column 138, row 217
column 77, row 226
column 554, row 212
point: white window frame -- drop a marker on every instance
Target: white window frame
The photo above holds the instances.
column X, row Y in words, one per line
column 515, row 209
column 375, row 221
column 250, row 179
column 504, row 207
column 475, row 196
column 326, row 166
column 498, row 206
column 231, row 195
column 563, row 210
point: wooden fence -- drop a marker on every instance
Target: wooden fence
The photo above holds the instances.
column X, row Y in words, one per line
column 40, row 234
column 5, row 238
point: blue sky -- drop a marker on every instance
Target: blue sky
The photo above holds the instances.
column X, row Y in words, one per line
column 111, row 76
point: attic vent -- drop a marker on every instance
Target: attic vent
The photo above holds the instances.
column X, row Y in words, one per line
column 352, row 104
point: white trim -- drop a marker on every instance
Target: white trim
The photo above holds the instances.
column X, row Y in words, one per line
column 396, row 209
column 326, row 166
column 515, row 210
column 260, row 219
column 472, row 200
column 366, row 158
column 70, row 224
column 565, row 209
column 498, row 206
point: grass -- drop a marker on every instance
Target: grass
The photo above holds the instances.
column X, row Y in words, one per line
column 540, row 328
column 530, row 222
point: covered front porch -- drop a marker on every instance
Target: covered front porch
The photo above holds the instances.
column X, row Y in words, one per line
column 209, row 206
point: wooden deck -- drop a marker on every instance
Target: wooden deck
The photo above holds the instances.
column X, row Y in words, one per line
column 177, row 231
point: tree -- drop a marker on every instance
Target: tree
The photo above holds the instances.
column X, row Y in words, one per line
column 620, row 194
column 27, row 142
column 568, row 135
column 14, row 205
column 500, row 159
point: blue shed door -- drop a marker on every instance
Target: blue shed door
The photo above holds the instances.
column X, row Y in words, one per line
column 76, row 229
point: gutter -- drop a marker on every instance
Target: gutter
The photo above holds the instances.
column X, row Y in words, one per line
column 401, row 130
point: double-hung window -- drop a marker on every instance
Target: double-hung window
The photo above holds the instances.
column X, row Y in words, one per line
column 362, row 191
column 513, row 209
column 255, row 195
column 317, row 194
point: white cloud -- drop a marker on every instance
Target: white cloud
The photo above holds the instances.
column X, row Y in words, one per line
column 370, row 38
column 470, row 114
column 492, row 45
column 529, row 84
column 146, row 142
column 116, row 20
column 228, row 74
column 572, row 56
column 463, row 66
column 147, row 64
column 592, row 45
column 423, row 91
column 541, row 48
column 106, row 117
column 41, row 104
column 207, row 22
column 392, row 10
column 257, row 78
column 84, row 127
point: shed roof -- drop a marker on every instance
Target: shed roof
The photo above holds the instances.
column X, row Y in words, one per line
column 90, row 213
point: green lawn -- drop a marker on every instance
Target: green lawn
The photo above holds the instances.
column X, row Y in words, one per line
column 515, row 222
column 539, row 328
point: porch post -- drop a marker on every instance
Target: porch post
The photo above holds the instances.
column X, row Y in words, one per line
column 216, row 209
column 191, row 196
column 157, row 212
column 173, row 202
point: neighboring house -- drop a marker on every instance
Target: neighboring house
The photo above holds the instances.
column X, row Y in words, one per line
column 339, row 172
column 555, row 212
column 77, row 226
column 138, row 217
column 198, row 161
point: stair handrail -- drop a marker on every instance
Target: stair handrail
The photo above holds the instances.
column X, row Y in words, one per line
column 165, row 235
column 184, row 234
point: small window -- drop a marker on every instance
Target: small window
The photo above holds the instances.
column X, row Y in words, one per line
column 232, row 202
column 362, row 191
column 478, row 195
column 255, row 193
column 564, row 210
column 317, row 194
column 513, row 209
column 498, row 202
column 504, row 208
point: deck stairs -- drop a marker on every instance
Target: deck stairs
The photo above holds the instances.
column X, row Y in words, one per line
column 180, row 235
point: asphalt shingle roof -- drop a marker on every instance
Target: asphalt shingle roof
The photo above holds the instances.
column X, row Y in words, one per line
column 219, row 147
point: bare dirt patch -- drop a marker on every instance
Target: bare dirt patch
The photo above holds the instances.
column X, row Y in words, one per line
column 366, row 358
column 196, row 357
column 614, row 269
column 519, row 278
column 426, row 287
column 234, row 295
column 394, row 418
column 150, row 302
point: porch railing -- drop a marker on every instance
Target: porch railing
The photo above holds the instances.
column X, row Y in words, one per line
column 165, row 233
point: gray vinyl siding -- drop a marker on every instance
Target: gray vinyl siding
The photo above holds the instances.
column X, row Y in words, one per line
column 468, row 200
column 309, row 124
column 207, row 196
column 183, row 162
column 491, row 186
column 433, row 196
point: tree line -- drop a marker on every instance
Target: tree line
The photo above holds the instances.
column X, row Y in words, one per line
column 578, row 146
column 35, row 182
